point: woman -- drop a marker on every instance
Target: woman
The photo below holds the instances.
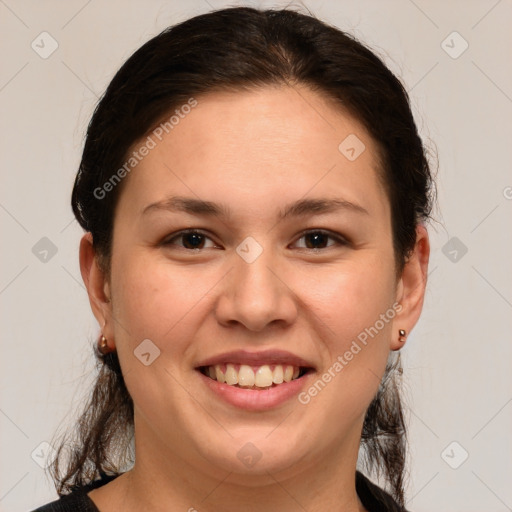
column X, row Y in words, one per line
column 254, row 192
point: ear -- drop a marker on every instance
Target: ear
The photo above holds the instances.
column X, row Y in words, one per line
column 411, row 287
column 97, row 286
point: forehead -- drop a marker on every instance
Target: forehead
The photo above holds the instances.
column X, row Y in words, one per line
column 259, row 145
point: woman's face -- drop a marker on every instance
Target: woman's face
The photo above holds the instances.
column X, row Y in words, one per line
column 251, row 288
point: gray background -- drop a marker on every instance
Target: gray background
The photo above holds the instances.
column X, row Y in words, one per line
column 457, row 360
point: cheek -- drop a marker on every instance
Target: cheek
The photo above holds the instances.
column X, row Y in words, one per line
column 355, row 311
column 156, row 301
column 349, row 298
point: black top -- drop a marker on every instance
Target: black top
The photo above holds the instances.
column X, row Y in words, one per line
column 372, row 497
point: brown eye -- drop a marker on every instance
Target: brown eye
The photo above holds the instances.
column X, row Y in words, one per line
column 318, row 239
column 191, row 239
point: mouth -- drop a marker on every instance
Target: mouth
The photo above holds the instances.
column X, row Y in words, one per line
column 255, row 381
column 255, row 377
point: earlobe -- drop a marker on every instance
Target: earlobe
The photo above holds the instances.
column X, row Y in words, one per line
column 411, row 289
column 95, row 281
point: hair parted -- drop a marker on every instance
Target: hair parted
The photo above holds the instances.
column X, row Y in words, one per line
column 238, row 49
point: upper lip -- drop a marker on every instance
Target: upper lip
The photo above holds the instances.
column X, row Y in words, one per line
column 257, row 358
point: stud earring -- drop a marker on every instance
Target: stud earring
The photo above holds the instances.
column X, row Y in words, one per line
column 402, row 335
column 103, row 345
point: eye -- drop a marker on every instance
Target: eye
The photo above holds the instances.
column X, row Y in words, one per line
column 192, row 239
column 316, row 239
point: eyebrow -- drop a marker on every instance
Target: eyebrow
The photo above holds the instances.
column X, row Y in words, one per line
column 298, row 208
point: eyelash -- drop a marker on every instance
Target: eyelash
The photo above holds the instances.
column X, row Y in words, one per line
column 341, row 241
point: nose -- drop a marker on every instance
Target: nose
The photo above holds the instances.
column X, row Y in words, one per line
column 256, row 295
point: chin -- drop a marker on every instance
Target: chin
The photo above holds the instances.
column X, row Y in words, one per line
column 255, row 453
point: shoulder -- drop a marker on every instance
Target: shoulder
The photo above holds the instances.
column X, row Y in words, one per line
column 373, row 497
column 77, row 500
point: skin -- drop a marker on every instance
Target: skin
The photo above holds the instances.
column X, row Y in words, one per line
column 254, row 152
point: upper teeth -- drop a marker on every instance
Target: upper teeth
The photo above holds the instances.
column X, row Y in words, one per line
column 246, row 376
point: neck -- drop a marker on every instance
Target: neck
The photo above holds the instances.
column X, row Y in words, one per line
column 164, row 480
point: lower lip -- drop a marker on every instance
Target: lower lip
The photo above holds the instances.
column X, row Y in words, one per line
column 254, row 399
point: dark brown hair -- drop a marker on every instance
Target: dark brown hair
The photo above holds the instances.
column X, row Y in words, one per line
column 231, row 50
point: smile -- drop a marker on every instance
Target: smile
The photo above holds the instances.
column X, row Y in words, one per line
column 255, row 381
column 253, row 377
